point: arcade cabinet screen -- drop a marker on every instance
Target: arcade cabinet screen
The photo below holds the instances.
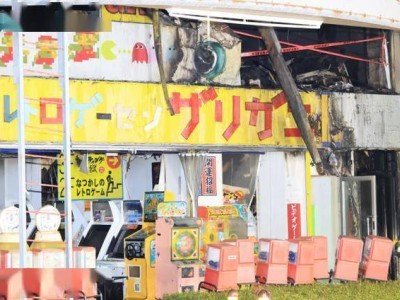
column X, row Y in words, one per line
column 133, row 212
column 151, row 201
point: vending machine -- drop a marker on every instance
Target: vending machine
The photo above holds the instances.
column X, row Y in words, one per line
column 376, row 258
column 140, row 252
column 178, row 268
column 246, row 267
column 221, row 268
column 272, row 264
column 348, row 258
column 301, row 261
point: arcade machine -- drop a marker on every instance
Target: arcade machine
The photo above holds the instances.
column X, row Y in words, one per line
column 221, row 268
column 140, row 252
column 222, row 223
column 178, row 266
column 112, row 266
column 104, row 225
column 246, row 262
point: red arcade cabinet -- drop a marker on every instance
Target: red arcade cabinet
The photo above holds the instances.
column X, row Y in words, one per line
column 301, row 261
column 272, row 264
column 221, row 268
column 321, row 269
column 376, row 258
column 348, row 258
column 246, row 271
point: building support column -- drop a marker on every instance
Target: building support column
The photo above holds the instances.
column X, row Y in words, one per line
column 292, row 93
column 395, row 60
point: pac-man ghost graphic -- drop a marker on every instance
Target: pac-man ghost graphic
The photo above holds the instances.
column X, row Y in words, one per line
column 139, row 53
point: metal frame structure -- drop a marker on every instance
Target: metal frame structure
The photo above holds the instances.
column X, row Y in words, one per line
column 64, row 83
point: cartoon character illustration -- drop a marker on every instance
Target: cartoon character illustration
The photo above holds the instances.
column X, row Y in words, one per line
column 6, row 49
column 139, row 53
column 47, row 51
column 83, row 47
column 232, row 197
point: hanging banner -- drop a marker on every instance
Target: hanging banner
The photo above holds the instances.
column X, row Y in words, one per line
column 209, row 177
column 102, row 181
column 294, row 220
column 121, row 113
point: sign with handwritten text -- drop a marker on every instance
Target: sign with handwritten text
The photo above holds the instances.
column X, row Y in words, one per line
column 102, row 181
column 209, row 177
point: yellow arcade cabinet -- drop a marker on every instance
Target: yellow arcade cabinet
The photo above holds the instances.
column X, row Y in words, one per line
column 140, row 264
column 140, row 251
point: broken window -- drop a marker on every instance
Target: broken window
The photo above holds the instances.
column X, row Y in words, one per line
column 338, row 58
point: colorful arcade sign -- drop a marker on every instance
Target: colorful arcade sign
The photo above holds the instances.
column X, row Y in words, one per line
column 103, row 180
column 151, row 202
column 127, row 113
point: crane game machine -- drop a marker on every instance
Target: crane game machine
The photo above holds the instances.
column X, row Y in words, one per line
column 178, row 266
column 222, row 223
column 140, row 255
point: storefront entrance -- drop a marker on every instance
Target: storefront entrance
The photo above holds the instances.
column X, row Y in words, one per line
column 358, row 206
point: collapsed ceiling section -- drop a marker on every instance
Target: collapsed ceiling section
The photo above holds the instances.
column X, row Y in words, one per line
column 332, row 58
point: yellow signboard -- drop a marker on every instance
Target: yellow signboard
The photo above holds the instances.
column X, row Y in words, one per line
column 122, row 113
column 103, row 179
column 119, row 13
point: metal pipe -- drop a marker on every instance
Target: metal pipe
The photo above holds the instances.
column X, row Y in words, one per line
column 292, row 93
column 64, row 81
column 19, row 79
column 158, row 48
column 16, row 10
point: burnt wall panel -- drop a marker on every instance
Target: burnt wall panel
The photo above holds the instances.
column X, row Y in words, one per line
column 364, row 121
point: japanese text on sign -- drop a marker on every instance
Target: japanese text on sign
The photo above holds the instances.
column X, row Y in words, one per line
column 203, row 115
column 208, row 178
column 294, row 220
column 102, row 181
